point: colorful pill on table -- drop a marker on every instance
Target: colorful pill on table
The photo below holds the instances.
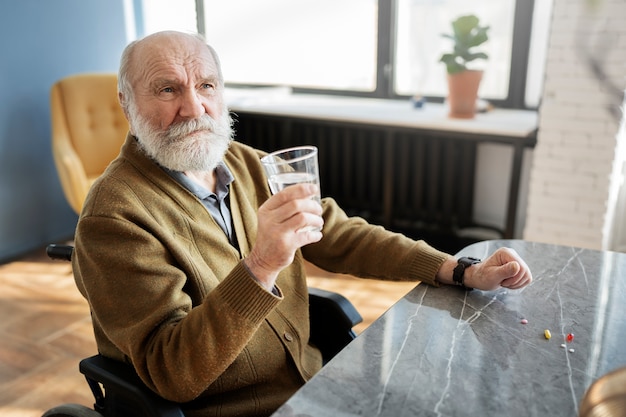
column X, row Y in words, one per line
column 547, row 334
column 570, row 337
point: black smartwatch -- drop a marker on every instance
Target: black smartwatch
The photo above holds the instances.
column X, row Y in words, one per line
column 458, row 276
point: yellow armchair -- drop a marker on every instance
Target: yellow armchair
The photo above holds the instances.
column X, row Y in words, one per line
column 88, row 129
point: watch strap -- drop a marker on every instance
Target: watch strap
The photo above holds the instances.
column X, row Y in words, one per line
column 458, row 276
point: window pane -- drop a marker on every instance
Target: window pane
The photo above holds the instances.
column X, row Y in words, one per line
column 306, row 43
column 161, row 15
column 538, row 50
column 420, row 24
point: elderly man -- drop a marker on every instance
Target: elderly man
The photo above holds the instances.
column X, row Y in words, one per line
column 195, row 273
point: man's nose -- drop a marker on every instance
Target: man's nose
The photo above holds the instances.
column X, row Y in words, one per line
column 192, row 105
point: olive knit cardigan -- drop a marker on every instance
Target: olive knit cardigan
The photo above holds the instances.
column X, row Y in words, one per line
column 170, row 295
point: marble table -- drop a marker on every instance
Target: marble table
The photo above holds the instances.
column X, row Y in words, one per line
column 447, row 352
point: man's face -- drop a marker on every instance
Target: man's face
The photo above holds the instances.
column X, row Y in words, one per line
column 177, row 110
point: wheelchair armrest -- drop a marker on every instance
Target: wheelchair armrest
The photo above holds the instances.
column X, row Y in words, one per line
column 62, row 252
column 124, row 387
column 332, row 318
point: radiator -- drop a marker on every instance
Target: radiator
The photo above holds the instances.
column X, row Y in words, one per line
column 413, row 182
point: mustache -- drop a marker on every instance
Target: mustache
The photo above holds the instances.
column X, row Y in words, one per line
column 187, row 127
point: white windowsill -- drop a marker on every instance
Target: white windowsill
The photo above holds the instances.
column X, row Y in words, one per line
column 397, row 113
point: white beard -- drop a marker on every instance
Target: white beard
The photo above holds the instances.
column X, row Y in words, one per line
column 193, row 145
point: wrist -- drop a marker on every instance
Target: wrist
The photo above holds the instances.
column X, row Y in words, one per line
column 444, row 274
column 260, row 275
column 460, row 273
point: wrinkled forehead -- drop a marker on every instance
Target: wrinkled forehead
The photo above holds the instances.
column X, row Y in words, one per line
column 173, row 55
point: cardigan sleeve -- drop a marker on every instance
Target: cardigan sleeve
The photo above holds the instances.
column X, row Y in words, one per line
column 350, row 245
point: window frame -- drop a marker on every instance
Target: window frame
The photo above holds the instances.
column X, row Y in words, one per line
column 387, row 9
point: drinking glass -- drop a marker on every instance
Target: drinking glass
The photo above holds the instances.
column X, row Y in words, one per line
column 291, row 166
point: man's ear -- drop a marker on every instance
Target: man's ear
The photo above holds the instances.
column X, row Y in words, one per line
column 120, row 98
column 124, row 106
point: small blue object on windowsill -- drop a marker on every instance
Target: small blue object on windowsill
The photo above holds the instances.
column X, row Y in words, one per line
column 418, row 102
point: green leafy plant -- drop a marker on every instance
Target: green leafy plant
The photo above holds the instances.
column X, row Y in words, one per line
column 467, row 34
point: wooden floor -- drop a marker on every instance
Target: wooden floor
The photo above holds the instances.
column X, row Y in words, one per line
column 45, row 330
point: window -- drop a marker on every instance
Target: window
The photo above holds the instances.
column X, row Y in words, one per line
column 157, row 15
column 319, row 44
column 377, row 48
column 419, row 45
column 542, row 15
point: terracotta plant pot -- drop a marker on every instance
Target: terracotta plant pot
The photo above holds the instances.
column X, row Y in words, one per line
column 462, row 93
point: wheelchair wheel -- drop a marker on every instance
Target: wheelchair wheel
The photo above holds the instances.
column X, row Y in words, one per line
column 71, row 410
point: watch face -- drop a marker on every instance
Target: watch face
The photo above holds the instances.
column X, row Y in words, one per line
column 468, row 260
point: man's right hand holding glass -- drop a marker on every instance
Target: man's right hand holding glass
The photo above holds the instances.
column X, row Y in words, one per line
column 283, row 228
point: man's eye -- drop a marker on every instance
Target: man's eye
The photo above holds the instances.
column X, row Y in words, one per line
column 208, row 86
column 167, row 90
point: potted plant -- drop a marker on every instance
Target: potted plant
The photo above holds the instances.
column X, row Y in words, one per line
column 463, row 82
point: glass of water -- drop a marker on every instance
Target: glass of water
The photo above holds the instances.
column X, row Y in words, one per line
column 292, row 166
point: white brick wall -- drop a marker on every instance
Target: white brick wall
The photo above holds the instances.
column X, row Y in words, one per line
column 572, row 178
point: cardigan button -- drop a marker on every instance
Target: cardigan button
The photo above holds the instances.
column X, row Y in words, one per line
column 288, row 336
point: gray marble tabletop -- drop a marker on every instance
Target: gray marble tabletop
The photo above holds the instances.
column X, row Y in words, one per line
column 448, row 352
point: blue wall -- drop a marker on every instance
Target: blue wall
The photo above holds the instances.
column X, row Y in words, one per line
column 40, row 42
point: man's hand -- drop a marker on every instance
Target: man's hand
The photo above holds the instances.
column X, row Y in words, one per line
column 504, row 268
column 282, row 220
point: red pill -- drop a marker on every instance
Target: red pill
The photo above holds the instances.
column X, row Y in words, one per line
column 570, row 337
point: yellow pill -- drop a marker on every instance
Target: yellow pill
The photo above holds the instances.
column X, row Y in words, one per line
column 547, row 334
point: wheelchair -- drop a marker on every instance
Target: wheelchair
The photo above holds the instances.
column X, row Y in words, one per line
column 119, row 392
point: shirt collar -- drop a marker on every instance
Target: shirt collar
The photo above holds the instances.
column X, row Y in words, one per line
column 224, row 179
